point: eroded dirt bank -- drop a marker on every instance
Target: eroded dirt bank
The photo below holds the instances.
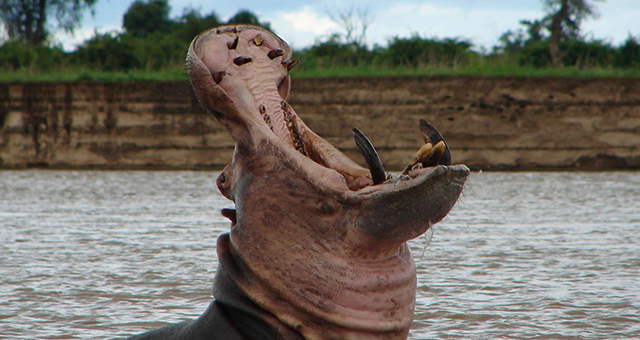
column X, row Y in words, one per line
column 489, row 122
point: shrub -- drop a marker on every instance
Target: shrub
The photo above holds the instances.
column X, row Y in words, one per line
column 417, row 51
column 108, row 52
column 535, row 54
column 334, row 53
column 595, row 53
column 15, row 55
column 628, row 55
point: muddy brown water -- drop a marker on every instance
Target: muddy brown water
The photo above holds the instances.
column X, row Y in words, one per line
column 102, row 255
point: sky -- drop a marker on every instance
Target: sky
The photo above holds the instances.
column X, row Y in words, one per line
column 303, row 22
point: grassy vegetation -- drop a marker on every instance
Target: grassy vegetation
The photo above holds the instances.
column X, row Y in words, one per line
column 73, row 75
column 178, row 73
column 152, row 47
column 469, row 70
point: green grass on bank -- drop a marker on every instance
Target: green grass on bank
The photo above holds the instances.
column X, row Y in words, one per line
column 179, row 74
column 73, row 75
column 476, row 70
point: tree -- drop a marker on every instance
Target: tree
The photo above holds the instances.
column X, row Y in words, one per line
column 566, row 17
column 247, row 17
column 534, row 30
column 628, row 54
column 513, row 41
column 192, row 23
column 27, row 19
column 352, row 20
column 108, row 52
column 147, row 16
column 510, row 41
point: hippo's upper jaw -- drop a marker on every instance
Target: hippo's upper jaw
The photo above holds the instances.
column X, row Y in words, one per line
column 316, row 240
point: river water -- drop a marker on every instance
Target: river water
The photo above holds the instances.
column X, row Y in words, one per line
column 100, row 255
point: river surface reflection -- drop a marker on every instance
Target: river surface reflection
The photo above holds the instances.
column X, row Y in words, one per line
column 100, row 255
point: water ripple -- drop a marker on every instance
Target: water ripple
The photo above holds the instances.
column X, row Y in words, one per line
column 103, row 255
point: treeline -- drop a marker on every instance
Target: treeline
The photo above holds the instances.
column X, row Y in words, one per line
column 152, row 41
column 530, row 45
column 523, row 47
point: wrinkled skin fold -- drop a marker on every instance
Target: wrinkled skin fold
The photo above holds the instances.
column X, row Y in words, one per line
column 317, row 246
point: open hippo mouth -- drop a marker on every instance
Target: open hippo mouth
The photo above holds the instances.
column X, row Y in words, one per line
column 316, row 239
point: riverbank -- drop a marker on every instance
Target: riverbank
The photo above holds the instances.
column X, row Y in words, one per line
column 491, row 123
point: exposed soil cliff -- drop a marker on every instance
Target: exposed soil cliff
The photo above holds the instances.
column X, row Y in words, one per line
column 489, row 122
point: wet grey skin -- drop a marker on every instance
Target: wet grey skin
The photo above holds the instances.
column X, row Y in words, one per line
column 317, row 244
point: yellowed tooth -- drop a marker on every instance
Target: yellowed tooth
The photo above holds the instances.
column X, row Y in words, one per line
column 434, row 155
column 424, row 151
column 258, row 40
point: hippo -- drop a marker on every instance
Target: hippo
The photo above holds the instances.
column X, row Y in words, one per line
column 317, row 244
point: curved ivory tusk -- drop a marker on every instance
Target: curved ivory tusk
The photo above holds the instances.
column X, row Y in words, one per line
column 371, row 156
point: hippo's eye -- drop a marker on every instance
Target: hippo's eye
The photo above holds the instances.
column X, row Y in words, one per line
column 222, row 178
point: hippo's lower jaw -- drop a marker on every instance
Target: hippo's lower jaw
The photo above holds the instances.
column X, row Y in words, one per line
column 317, row 242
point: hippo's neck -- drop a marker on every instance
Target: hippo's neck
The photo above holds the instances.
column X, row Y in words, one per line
column 325, row 298
column 249, row 319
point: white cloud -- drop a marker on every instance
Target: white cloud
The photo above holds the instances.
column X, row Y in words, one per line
column 428, row 9
column 482, row 26
column 308, row 20
column 302, row 23
column 402, row 8
column 71, row 41
column 302, row 27
column 618, row 19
